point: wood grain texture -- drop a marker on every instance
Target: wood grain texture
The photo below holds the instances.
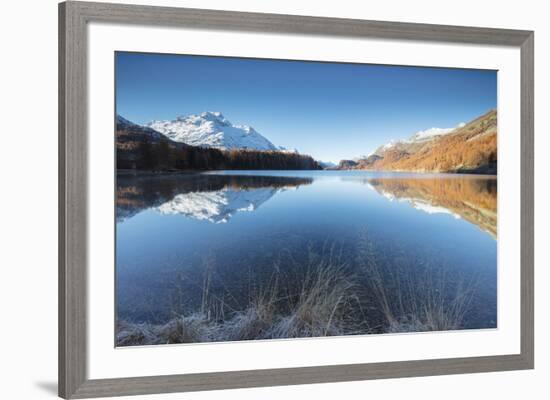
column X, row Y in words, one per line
column 72, row 201
column 528, row 200
column 296, row 376
column 294, row 24
column 73, row 20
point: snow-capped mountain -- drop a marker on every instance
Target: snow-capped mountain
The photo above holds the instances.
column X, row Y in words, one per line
column 217, row 206
column 466, row 148
column 418, row 137
column 433, row 132
column 327, row 164
column 212, row 129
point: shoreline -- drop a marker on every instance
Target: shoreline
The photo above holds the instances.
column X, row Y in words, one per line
column 425, row 174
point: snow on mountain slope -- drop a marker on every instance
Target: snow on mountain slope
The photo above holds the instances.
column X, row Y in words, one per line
column 389, row 145
column 432, row 132
column 327, row 164
column 217, row 206
column 418, row 137
column 212, row 129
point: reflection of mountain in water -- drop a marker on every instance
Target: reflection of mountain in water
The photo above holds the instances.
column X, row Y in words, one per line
column 471, row 198
column 214, row 198
column 218, row 206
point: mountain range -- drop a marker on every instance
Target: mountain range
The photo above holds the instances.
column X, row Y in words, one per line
column 212, row 129
column 207, row 141
column 210, row 141
column 469, row 148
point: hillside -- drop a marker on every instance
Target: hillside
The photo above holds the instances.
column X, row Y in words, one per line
column 468, row 148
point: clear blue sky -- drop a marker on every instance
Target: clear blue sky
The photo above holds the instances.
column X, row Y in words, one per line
column 331, row 111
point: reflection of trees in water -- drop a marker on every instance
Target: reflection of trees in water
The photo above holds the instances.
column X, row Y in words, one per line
column 136, row 193
column 472, row 198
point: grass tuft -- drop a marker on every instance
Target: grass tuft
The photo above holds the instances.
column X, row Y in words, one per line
column 317, row 301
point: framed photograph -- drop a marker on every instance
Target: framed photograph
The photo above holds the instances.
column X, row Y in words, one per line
column 253, row 200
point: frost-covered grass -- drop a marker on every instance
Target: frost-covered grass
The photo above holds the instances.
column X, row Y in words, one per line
column 319, row 301
column 320, row 296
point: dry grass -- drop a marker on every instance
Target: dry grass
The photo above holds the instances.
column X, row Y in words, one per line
column 320, row 297
column 317, row 301
column 415, row 296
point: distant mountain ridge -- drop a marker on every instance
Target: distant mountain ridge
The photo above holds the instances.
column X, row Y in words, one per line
column 327, row 164
column 145, row 133
column 417, row 139
column 209, row 141
column 470, row 147
column 131, row 137
column 212, row 129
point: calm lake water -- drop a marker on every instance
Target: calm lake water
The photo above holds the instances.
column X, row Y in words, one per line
column 413, row 252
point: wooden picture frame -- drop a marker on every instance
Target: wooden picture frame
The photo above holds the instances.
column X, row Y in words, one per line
column 73, row 202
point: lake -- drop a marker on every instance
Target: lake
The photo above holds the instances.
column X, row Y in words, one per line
column 237, row 255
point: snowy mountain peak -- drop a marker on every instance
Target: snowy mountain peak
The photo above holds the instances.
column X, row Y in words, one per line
column 214, row 117
column 432, row 132
column 212, row 129
column 418, row 137
column 212, row 114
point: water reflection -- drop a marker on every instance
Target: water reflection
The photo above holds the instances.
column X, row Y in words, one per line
column 243, row 255
column 471, row 198
column 216, row 198
column 204, row 197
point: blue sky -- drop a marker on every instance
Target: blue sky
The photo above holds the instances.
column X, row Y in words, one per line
column 331, row 111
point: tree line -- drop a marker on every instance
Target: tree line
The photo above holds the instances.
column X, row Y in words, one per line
column 164, row 156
